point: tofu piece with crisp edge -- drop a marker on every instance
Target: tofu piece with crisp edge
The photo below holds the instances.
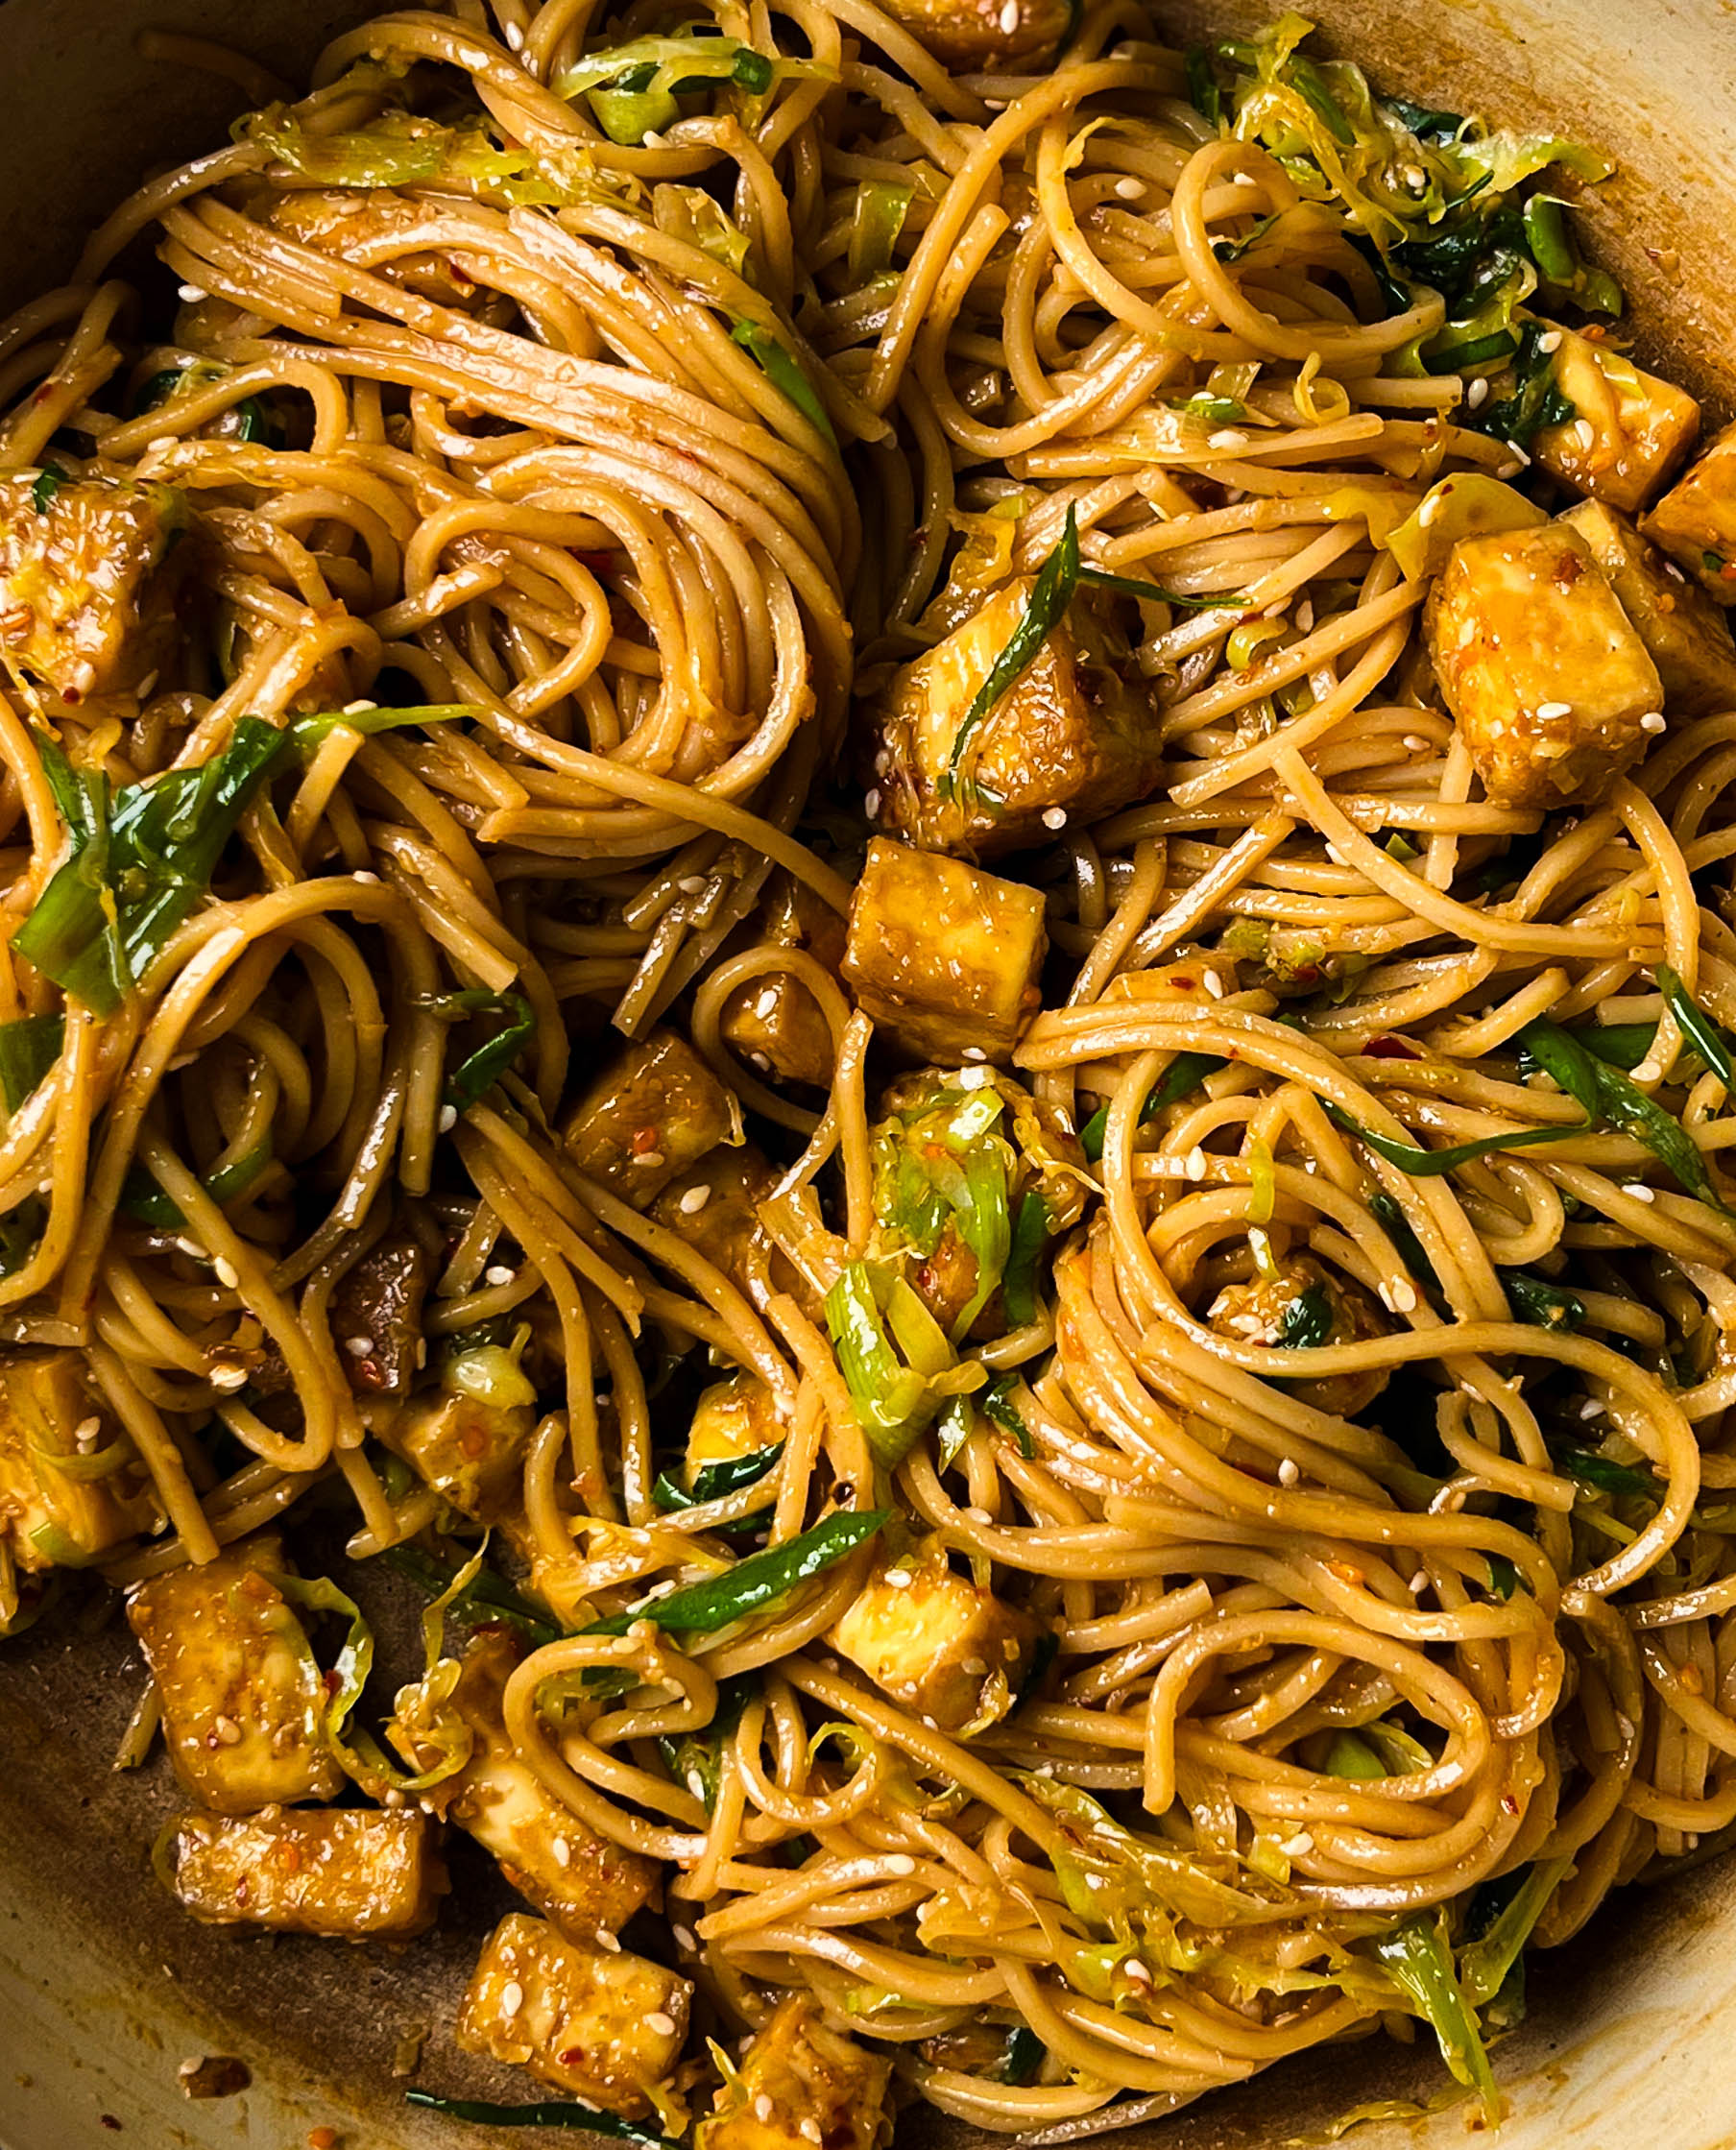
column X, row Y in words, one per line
column 653, row 1116
column 55, row 1511
column 936, row 1644
column 349, row 1872
column 601, row 2025
column 243, row 1701
column 943, row 954
column 774, row 1021
column 1631, row 432
column 1694, row 523
column 1687, row 635
column 470, row 1451
column 577, row 1878
column 1069, row 739
column 975, row 35
column 84, row 605
column 799, row 2083
column 733, row 1418
column 1547, row 679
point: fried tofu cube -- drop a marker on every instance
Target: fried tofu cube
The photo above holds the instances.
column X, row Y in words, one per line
column 1069, row 737
column 1304, row 1306
column 944, row 955
column 1631, row 432
column 49, row 1418
column 243, row 1701
column 1687, row 635
column 979, row 36
column 937, row 1644
column 82, row 607
column 352, row 1874
column 656, row 1113
column 1545, row 678
column 1694, row 523
column 714, row 1209
column 603, row 2026
column 799, row 2083
column 732, row 1418
column 472, row 1452
column 774, row 1021
column 581, row 1881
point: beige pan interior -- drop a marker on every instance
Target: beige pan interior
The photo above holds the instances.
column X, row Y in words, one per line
column 104, row 1988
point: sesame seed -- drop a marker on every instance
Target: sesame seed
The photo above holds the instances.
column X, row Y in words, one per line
column 449, row 1119
column 514, row 38
column 691, row 884
column 652, row 1157
column 695, row 1200
column 228, row 1378
column 1213, row 986
column 1195, row 1167
column 1009, row 18
column 366, row 880
column 976, row 1515
column 1403, row 1296
column 1300, row 1844
column 754, row 1060
column 1054, row 817
column 1592, row 1408
column 1289, row 1471
column 1429, row 509
column 975, row 1053
column 563, row 1852
column 871, row 804
column 192, row 1247
column 358, row 1348
column 1549, row 711
column 85, row 1433
column 497, row 1272
column 662, row 2024
column 608, row 1942
column 1414, row 742
column 1246, row 178
column 763, row 2108
column 1130, row 189
column 1674, row 571
column 1478, row 393
column 810, row 2132
column 684, row 1937
column 901, row 1863
column 162, row 441
column 512, row 1997
column 898, row 1579
column 1652, row 721
column 358, row 709
column 1305, row 615
column 767, row 1002
column 1229, row 438
column 145, row 686
column 226, row 1730
column 226, row 1273
column 1550, row 342
column 1586, row 434
column 1639, row 1192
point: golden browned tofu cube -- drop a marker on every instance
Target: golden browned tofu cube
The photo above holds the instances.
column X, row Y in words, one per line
column 934, row 1642
column 352, row 1872
column 774, row 1022
column 469, row 1451
column 71, row 1485
column 734, row 1417
column 656, row 1112
column 970, row 36
column 714, row 1209
column 600, row 2026
column 1549, row 683
column 243, row 1701
column 944, row 955
column 581, row 1880
column 1069, row 739
column 1305, row 1308
column 1687, row 635
column 1694, row 523
column 799, row 2083
column 81, row 605
column 1631, row 431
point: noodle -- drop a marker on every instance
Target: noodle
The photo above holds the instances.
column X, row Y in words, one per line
column 1094, row 1508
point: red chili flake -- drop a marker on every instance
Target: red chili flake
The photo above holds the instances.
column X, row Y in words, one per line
column 1181, row 984
column 1728, row 571
column 573, row 2057
column 645, row 1141
column 333, row 1681
column 1390, row 1048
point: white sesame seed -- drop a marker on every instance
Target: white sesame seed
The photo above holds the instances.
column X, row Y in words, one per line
column 691, row 884
column 1305, row 615
column 192, row 293
column 162, row 441
column 228, row 1378
column 1195, row 1167
column 662, row 2024
column 358, row 1348
column 871, row 804
column 1674, row 571
column 975, row 1053
column 1213, row 986
column 1300, row 1844
column 1009, row 18
column 1429, row 509
column 1229, row 438
column 192, row 1247
column 514, row 38
column 754, row 1060
column 226, row 1730
column 1138, row 1970
column 1289, row 1471
column 1419, row 1582
column 901, row 1863
column 358, row 709
column 767, row 1004
column 1246, row 178
column 512, row 1997
column 1415, row 743
column 563, row 1852
column 1550, row 342
column 684, row 1937
column 1549, row 711
column 1130, row 189
column 608, row 1942
column 497, row 1272
column 1478, row 393
column 145, row 686
column 1639, row 1192
column 763, row 2108
column 654, row 1157
column 1592, row 1408
column 449, row 1119
column 1652, row 721
column 695, row 1200
column 366, row 880
column 810, row 2132
column 1586, row 434
column 1403, row 1296
column 898, row 1579
column 85, row 1433
column 1054, row 817
column 226, row 1273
